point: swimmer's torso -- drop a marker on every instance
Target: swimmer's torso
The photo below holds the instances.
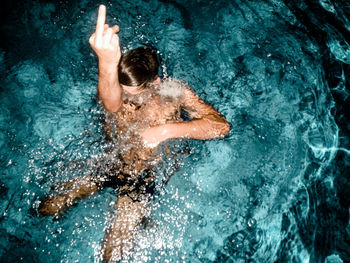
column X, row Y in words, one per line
column 137, row 113
column 150, row 111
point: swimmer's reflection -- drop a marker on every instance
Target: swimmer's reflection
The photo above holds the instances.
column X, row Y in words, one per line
column 147, row 111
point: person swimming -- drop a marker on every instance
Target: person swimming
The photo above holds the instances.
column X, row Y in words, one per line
column 142, row 111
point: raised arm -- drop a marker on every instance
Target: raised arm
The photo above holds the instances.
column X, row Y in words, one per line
column 105, row 43
column 206, row 123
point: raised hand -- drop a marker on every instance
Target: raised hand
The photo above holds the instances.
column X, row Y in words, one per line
column 105, row 41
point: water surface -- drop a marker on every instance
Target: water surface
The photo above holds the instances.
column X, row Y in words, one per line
column 274, row 190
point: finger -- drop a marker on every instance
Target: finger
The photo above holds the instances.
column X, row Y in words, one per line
column 105, row 26
column 115, row 29
column 108, row 37
column 100, row 24
column 115, row 40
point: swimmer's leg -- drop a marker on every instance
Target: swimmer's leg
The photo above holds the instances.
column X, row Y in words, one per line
column 119, row 238
column 73, row 190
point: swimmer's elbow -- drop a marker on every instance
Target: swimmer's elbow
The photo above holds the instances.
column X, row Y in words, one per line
column 111, row 107
column 224, row 128
column 219, row 126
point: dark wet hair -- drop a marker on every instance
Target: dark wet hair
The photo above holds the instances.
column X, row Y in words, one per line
column 138, row 67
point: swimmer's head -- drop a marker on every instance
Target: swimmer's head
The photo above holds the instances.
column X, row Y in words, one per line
column 138, row 68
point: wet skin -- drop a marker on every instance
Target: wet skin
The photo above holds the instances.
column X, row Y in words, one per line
column 141, row 112
column 144, row 118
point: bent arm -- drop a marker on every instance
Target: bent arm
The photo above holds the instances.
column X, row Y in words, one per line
column 207, row 123
column 105, row 43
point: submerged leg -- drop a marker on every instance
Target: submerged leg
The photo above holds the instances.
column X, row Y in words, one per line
column 119, row 238
column 78, row 188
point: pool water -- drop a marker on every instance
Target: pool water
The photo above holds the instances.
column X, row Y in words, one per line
column 274, row 190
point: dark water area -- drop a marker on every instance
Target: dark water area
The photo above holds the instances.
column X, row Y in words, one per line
column 275, row 190
column 326, row 228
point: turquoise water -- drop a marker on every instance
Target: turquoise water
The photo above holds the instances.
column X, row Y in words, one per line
column 252, row 197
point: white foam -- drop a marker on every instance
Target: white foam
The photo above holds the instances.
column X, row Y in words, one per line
column 171, row 88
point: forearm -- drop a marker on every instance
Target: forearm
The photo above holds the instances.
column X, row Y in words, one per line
column 109, row 90
column 202, row 129
column 209, row 126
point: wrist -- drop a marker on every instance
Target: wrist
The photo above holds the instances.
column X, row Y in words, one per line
column 108, row 65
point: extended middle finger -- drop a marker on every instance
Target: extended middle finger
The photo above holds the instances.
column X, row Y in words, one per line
column 101, row 18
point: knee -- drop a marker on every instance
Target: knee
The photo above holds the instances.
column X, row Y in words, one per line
column 124, row 202
column 111, row 254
